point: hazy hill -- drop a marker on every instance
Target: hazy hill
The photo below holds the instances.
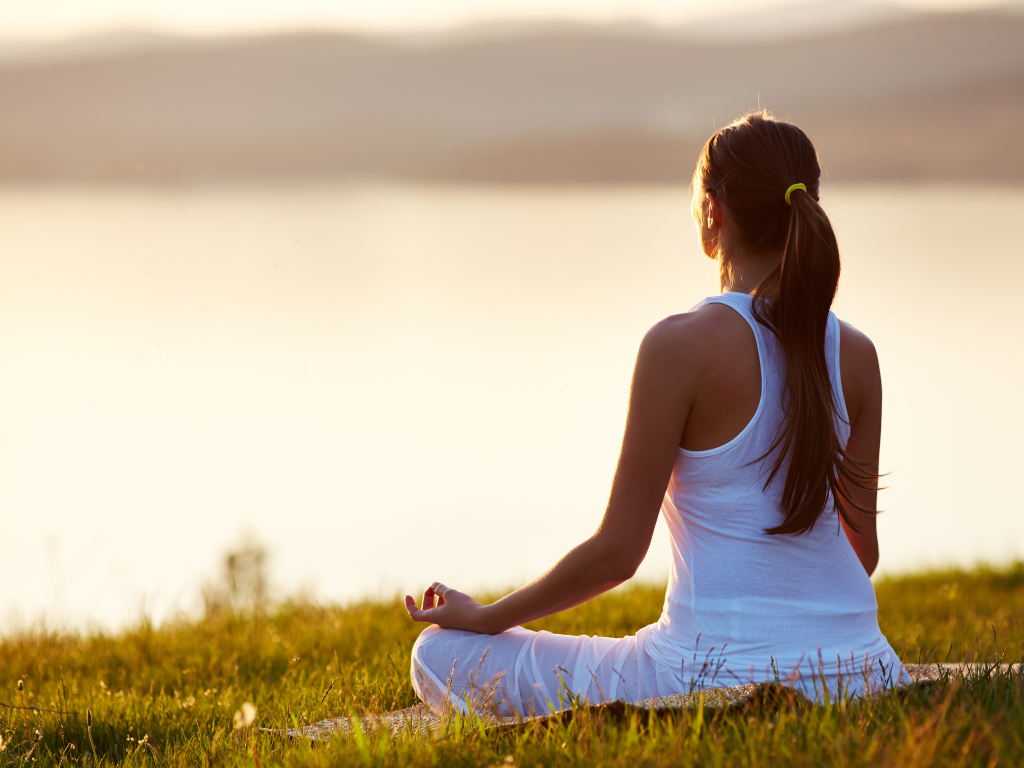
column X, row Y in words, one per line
column 798, row 20
column 907, row 96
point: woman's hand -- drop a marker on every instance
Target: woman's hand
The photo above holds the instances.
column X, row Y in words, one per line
column 450, row 609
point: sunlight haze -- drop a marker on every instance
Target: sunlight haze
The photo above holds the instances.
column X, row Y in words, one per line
column 64, row 18
column 365, row 281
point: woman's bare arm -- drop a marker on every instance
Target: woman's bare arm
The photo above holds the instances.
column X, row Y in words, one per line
column 862, row 388
column 661, row 395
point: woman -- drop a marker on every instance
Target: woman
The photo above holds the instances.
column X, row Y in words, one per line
column 761, row 414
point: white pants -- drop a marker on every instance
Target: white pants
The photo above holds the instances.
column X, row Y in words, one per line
column 521, row 672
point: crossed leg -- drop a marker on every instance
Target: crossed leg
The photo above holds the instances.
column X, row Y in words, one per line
column 521, row 672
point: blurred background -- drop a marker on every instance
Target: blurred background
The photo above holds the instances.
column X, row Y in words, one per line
column 354, row 290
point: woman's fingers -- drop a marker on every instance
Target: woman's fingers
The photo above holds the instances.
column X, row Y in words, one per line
column 428, row 598
column 418, row 614
column 433, row 599
column 415, row 613
column 446, row 607
column 440, row 590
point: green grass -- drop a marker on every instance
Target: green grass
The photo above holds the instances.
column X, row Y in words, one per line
column 180, row 684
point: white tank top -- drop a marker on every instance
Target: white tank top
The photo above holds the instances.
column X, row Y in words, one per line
column 747, row 603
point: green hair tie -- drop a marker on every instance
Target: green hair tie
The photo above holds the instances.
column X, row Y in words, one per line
column 790, row 191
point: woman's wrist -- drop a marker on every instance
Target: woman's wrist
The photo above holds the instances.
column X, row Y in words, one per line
column 491, row 620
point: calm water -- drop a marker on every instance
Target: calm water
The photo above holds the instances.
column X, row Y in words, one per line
column 390, row 385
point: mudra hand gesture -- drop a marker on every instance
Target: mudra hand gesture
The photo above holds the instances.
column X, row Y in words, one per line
column 448, row 608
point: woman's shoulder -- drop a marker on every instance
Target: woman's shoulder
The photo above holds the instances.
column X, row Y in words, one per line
column 706, row 325
column 859, row 371
column 709, row 335
column 855, row 345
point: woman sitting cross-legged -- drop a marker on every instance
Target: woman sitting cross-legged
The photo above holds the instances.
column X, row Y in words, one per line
column 753, row 425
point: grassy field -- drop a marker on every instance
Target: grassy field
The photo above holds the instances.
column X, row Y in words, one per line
column 166, row 695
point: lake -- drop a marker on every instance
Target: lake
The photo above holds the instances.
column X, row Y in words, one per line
column 391, row 384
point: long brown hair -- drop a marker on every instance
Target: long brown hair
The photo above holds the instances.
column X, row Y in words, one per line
column 749, row 165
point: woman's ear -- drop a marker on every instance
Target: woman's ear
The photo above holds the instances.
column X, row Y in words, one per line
column 707, row 228
column 714, row 209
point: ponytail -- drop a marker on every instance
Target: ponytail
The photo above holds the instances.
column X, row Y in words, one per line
column 772, row 191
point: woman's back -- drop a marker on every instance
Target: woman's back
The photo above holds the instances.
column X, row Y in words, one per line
column 750, row 600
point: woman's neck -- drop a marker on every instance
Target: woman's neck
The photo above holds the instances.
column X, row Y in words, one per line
column 741, row 272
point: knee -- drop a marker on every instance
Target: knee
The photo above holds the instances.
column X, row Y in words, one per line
column 435, row 650
column 424, row 650
column 426, row 640
column 425, row 662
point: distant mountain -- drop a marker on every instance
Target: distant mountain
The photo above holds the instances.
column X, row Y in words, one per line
column 904, row 96
column 117, row 43
column 801, row 20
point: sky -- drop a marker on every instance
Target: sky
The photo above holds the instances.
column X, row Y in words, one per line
column 67, row 18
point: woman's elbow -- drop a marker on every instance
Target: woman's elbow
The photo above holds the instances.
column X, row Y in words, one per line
column 623, row 571
column 870, row 563
column 621, row 563
column 617, row 555
column 867, row 553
